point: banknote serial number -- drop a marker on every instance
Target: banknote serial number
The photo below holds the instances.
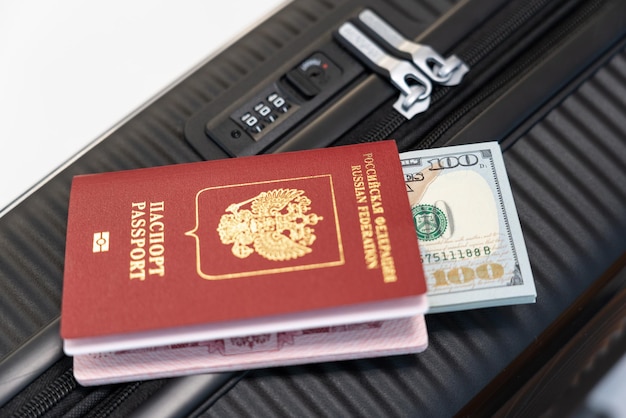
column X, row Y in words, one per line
column 458, row 254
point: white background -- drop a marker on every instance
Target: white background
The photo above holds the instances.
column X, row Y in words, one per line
column 72, row 69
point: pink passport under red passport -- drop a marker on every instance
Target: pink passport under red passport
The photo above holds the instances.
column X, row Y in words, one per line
column 169, row 259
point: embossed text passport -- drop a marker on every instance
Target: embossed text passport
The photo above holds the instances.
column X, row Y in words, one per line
column 219, row 249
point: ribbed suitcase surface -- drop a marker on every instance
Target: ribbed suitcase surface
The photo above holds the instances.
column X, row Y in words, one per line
column 567, row 177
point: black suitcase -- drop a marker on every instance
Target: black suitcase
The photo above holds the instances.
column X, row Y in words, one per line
column 547, row 79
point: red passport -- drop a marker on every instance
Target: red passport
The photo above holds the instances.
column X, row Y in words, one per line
column 245, row 246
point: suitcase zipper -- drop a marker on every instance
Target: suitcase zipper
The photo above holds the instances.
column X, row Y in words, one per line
column 445, row 71
column 39, row 405
column 413, row 75
column 63, row 386
column 509, row 74
column 482, row 56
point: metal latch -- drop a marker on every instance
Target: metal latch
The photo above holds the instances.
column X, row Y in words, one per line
column 414, row 69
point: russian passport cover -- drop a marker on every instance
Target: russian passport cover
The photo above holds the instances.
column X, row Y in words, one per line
column 226, row 248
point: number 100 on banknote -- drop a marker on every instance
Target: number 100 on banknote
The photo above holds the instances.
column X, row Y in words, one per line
column 469, row 234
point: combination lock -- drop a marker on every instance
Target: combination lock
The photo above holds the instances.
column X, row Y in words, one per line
column 267, row 115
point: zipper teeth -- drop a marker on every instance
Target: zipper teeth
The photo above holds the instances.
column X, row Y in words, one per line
column 54, row 393
column 392, row 121
column 64, row 385
column 116, row 400
column 563, row 30
column 494, row 37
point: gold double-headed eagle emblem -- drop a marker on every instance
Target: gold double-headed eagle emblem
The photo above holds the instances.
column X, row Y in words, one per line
column 276, row 225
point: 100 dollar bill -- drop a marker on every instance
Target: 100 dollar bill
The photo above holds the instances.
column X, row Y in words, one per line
column 470, row 239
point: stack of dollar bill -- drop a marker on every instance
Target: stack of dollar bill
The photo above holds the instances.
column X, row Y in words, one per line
column 470, row 239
